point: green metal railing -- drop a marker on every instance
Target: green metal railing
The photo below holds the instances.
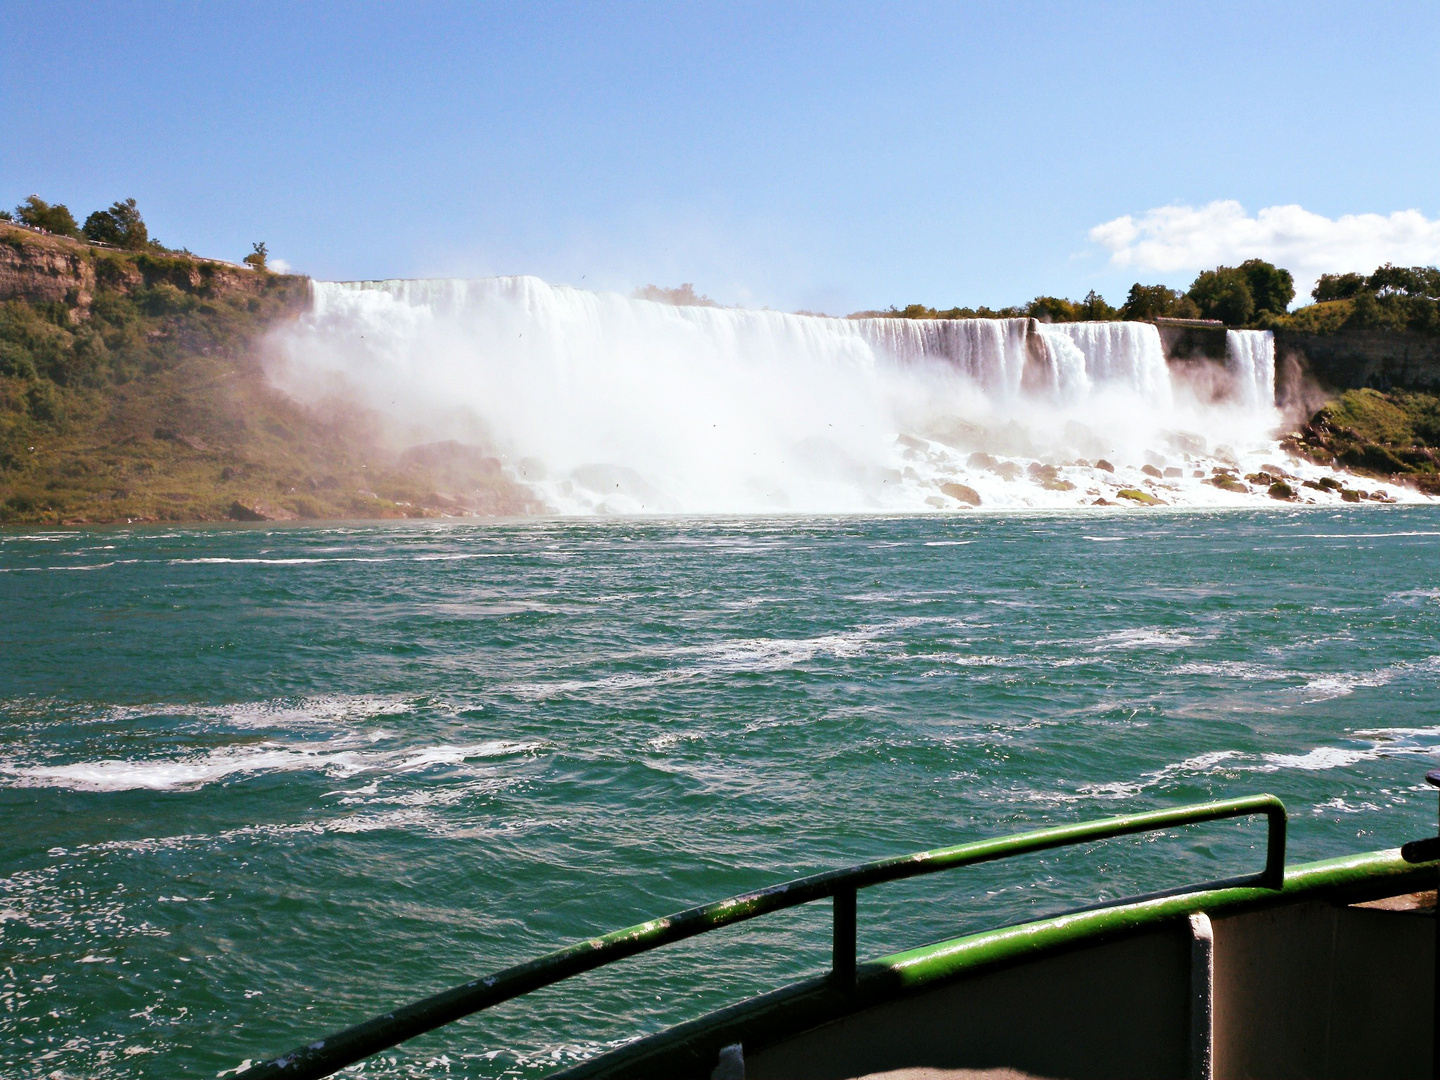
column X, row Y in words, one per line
column 325, row 1056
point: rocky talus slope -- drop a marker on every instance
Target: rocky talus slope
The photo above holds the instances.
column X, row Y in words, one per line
column 1393, row 436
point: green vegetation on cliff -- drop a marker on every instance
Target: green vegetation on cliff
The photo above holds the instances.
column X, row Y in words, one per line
column 1393, row 298
column 131, row 389
column 1393, row 436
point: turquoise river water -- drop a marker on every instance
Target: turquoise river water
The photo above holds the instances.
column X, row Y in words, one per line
column 260, row 783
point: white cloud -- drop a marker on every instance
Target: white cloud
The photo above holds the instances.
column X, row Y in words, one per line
column 280, row 266
column 1171, row 239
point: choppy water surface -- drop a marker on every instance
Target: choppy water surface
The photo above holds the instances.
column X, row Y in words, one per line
column 257, row 784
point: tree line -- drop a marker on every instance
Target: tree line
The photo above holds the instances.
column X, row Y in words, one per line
column 1234, row 295
column 119, row 226
column 1254, row 294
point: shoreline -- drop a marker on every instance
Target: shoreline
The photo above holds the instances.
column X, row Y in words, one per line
column 1271, row 506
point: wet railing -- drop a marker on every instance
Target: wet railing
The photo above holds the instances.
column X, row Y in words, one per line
column 324, row 1056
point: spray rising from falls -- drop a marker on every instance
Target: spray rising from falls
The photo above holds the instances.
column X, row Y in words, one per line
column 602, row 403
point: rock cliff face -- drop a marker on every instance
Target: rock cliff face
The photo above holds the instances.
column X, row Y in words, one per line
column 1379, row 359
column 44, row 269
column 1307, row 363
column 1184, row 340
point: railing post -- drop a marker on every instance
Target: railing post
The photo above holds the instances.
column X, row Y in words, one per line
column 1433, row 779
column 1274, row 875
column 843, row 949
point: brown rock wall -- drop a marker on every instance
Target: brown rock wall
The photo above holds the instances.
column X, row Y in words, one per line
column 1350, row 360
column 44, row 269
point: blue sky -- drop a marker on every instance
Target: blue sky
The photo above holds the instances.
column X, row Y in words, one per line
column 829, row 157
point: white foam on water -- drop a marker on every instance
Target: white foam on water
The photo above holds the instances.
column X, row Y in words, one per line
column 300, row 713
column 603, row 404
column 1125, row 789
column 1361, row 746
column 1144, row 638
column 297, row 561
column 1322, row 757
column 340, row 757
column 1368, row 536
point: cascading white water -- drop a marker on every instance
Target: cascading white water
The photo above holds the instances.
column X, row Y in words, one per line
column 1125, row 353
column 1250, row 359
column 992, row 352
column 603, row 403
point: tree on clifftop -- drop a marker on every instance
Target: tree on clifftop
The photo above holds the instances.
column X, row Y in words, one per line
column 121, row 225
column 1271, row 288
column 1147, row 302
column 256, row 259
column 1337, row 287
column 39, row 214
column 1053, row 309
column 1224, row 294
column 1094, row 308
column 1391, row 280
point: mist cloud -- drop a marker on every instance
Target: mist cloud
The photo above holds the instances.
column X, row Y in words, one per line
column 1172, row 239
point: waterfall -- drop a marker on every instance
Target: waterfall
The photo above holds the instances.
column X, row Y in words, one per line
column 1127, row 353
column 993, row 352
column 1250, row 359
column 604, row 403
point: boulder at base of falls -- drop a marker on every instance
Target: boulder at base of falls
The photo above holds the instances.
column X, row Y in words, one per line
column 1102, row 501
column 1104, row 465
column 962, row 493
column 1143, row 497
column 240, row 512
column 1057, row 485
column 979, row 460
column 259, row 511
column 1281, row 490
column 1151, row 470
